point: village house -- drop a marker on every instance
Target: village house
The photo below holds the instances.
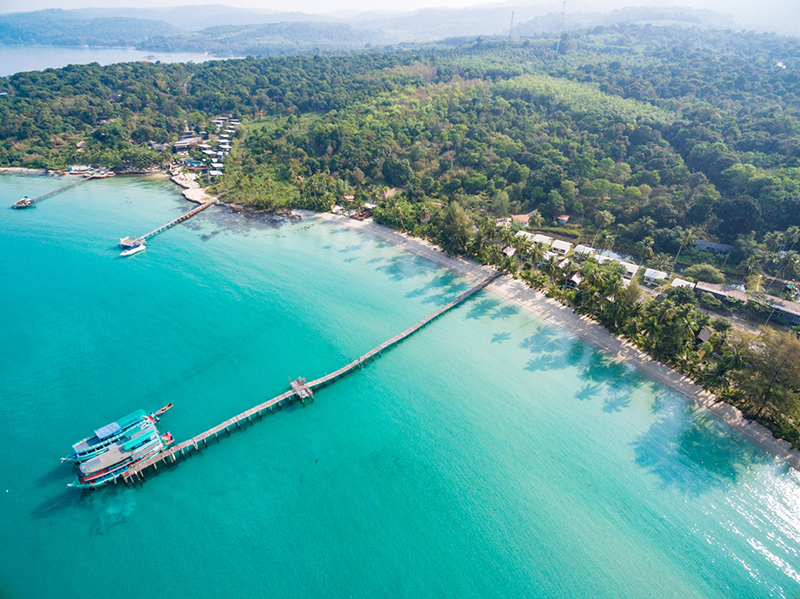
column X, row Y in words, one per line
column 652, row 277
column 681, row 283
column 562, row 247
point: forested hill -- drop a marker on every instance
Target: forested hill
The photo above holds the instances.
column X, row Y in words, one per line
column 665, row 129
column 67, row 28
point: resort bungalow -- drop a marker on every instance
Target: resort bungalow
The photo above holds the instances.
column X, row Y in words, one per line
column 676, row 282
column 704, row 336
column 630, row 270
column 574, row 280
column 584, row 250
column 721, row 292
column 509, row 250
column 652, row 277
column 562, row 247
column 185, row 144
column 788, row 311
column 542, row 239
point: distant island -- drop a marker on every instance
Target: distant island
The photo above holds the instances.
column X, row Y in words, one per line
column 648, row 177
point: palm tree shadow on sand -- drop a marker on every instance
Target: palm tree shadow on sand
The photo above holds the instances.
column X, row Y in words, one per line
column 693, row 452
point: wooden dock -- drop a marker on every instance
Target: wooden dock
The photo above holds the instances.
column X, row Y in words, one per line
column 27, row 202
column 300, row 389
column 126, row 242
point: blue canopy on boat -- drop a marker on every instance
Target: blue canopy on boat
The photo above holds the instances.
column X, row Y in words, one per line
column 107, row 430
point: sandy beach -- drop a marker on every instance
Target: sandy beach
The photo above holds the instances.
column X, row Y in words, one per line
column 556, row 313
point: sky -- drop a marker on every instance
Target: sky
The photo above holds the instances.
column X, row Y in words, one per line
column 744, row 10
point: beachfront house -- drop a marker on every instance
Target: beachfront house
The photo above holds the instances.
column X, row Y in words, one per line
column 652, row 277
column 562, row 247
column 574, row 280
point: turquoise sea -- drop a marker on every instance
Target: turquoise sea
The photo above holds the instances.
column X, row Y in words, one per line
column 489, row 455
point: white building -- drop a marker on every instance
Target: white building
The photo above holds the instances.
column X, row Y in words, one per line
column 543, row 239
column 562, row 247
column 584, row 250
column 630, row 270
column 680, row 283
column 652, row 276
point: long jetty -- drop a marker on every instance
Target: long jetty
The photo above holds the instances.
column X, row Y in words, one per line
column 300, row 389
column 127, row 242
column 27, row 202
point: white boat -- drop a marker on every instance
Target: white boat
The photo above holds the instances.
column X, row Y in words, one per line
column 139, row 247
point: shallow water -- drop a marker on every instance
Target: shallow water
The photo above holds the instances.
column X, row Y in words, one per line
column 489, row 455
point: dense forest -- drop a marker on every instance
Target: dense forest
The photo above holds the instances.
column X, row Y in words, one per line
column 647, row 137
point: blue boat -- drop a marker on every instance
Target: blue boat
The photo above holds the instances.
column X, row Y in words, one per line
column 121, row 456
column 105, row 436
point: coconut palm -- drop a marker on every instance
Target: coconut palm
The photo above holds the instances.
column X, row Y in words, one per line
column 686, row 238
column 535, row 219
column 651, row 330
column 645, row 249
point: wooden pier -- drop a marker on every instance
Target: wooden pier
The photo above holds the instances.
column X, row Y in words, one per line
column 27, row 202
column 126, row 242
column 300, row 389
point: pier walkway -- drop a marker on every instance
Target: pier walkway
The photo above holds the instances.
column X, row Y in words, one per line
column 126, row 242
column 27, row 202
column 300, row 389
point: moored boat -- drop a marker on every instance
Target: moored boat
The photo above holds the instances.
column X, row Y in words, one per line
column 134, row 249
column 25, row 202
column 105, row 436
column 122, row 456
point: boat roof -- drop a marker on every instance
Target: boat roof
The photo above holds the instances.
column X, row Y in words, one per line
column 120, row 451
column 104, row 432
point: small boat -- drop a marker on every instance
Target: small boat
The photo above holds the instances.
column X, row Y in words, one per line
column 164, row 409
column 139, row 247
column 25, row 202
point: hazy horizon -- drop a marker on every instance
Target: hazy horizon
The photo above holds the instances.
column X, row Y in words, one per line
column 778, row 11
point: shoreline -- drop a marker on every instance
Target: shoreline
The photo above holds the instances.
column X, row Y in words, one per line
column 535, row 302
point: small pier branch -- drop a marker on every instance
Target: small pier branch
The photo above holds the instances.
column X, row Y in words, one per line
column 126, row 242
column 27, row 202
column 300, row 389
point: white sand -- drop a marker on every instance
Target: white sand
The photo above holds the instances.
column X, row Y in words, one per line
column 537, row 303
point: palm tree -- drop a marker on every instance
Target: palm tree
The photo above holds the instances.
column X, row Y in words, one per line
column 662, row 262
column 551, row 268
column 535, row 219
column 716, row 378
column 686, row 237
column 645, row 249
column 735, row 358
column 603, row 219
column 536, row 253
column 750, row 266
column 651, row 329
